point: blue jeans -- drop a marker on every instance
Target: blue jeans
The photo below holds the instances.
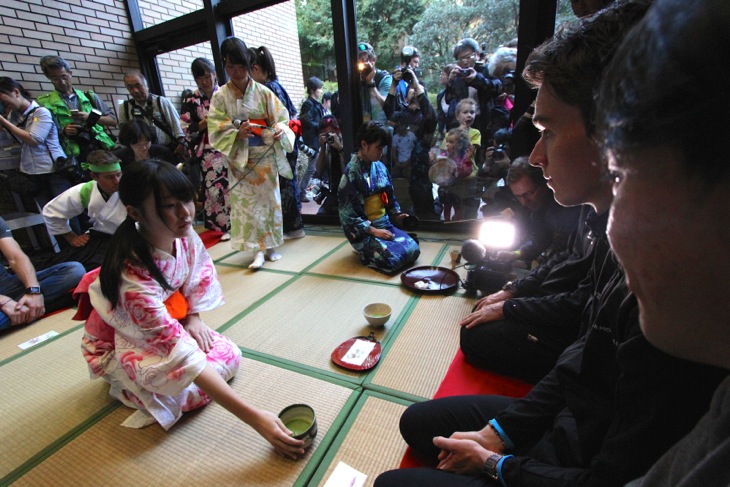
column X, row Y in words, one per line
column 56, row 283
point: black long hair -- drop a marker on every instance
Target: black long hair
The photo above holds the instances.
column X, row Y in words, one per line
column 265, row 61
column 235, row 51
column 139, row 180
column 7, row 85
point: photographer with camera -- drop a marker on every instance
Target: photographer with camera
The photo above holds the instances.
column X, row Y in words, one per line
column 310, row 114
column 40, row 150
column 330, row 164
column 375, row 83
column 81, row 116
column 414, row 127
column 157, row 111
column 466, row 82
column 410, row 58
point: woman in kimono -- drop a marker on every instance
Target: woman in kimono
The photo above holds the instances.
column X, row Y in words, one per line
column 208, row 162
column 144, row 335
column 368, row 206
column 264, row 71
column 250, row 125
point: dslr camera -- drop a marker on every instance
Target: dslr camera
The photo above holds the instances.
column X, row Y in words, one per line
column 307, row 150
column 86, row 135
column 408, row 76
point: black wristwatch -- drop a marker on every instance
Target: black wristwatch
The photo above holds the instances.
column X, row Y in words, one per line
column 490, row 466
column 33, row 290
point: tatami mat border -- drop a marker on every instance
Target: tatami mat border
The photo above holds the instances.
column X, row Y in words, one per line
column 308, row 370
column 329, row 439
column 58, row 444
column 44, row 343
column 345, row 428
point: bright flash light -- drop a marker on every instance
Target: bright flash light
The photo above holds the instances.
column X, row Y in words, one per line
column 497, row 234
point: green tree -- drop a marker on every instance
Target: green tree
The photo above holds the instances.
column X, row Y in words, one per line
column 385, row 24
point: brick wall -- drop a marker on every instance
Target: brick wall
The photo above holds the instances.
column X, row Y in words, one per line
column 255, row 29
column 94, row 37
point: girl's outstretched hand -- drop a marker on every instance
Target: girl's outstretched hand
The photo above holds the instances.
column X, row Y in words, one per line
column 269, row 426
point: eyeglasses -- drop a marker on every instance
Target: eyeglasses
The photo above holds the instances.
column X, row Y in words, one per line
column 364, row 46
column 466, row 57
column 528, row 194
column 56, row 79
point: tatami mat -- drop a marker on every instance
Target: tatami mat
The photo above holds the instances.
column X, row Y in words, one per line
column 372, row 444
column 58, row 322
column 210, row 447
column 344, row 262
column 297, row 254
column 221, row 249
column 241, row 289
column 308, row 319
column 46, row 393
column 425, row 346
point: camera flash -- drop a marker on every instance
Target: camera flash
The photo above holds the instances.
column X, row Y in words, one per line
column 360, row 66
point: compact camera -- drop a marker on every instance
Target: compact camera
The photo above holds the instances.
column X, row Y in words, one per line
column 330, row 138
column 499, row 151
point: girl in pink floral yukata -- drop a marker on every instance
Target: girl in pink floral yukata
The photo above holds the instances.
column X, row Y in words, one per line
column 144, row 335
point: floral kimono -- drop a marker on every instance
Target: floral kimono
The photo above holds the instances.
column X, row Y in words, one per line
column 256, row 216
column 213, row 164
column 140, row 347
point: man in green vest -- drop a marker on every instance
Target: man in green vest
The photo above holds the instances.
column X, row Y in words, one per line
column 73, row 109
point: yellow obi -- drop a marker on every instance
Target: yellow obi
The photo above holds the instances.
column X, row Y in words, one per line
column 374, row 207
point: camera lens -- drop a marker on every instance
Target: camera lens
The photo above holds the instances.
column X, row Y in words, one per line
column 408, row 76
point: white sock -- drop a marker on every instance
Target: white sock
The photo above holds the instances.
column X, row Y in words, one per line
column 258, row 261
column 272, row 255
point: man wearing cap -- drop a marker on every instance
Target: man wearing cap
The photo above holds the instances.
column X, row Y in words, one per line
column 100, row 199
column 466, row 82
column 410, row 58
column 375, row 83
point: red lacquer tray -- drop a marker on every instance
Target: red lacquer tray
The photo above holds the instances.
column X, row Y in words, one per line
column 339, row 353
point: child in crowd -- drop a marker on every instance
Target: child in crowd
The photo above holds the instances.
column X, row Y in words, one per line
column 144, row 335
column 404, row 141
column 463, row 191
column 457, row 147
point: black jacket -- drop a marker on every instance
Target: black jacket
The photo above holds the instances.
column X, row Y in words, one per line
column 612, row 405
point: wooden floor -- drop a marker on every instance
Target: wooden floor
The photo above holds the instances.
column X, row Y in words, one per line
column 60, row 428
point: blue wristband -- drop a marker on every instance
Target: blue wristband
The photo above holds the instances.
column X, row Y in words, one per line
column 502, row 435
column 499, row 470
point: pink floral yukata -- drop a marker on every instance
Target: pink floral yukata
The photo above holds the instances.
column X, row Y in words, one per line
column 144, row 353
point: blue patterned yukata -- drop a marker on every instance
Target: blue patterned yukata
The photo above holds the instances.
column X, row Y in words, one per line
column 366, row 199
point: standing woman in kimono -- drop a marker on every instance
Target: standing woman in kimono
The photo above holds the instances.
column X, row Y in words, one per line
column 211, row 164
column 250, row 125
column 368, row 206
column 144, row 335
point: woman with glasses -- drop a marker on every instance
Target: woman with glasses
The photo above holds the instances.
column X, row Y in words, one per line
column 250, row 125
column 368, row 207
